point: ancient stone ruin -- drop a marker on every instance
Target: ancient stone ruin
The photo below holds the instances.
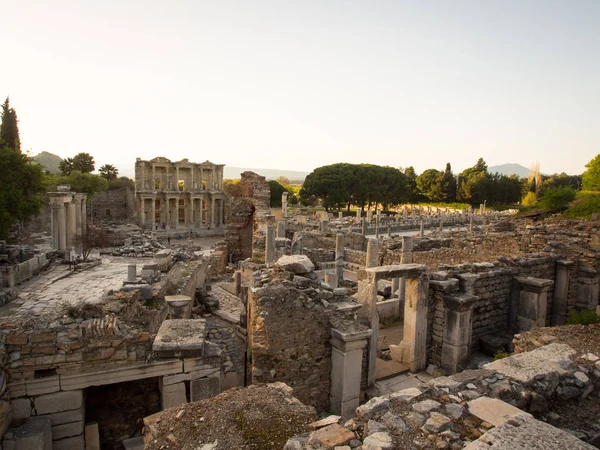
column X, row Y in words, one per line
column 374, row 332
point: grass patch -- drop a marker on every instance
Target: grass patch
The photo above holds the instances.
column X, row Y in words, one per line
column 584, row 317
column 586, row 204
column 501, row 355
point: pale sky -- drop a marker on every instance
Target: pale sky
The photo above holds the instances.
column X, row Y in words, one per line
column 297, row 85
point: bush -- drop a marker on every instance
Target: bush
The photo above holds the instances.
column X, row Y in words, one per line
column 584, row 208
column 529, row 200
column 501, row 355
column 584, row 317
column 557, row 198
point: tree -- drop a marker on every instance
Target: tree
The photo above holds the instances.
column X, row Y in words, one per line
column 66, row 166
column 84, row 162
column 429, row 183
column 283, row 180
column 109, row 172
column 233, row 187
column 92, row 237
column 21, row 189
column 591, row 177
column 276, row 191
column 9, row 129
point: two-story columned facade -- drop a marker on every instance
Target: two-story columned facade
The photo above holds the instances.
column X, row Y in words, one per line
column 179, row 194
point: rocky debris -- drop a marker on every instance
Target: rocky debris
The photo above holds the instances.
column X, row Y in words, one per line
column 253, row 418
column 207, row 303
column 297, row 264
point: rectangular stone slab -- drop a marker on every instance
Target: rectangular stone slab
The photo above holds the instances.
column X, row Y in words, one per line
column 374, row 274
column 493, row 410
column 181, row 335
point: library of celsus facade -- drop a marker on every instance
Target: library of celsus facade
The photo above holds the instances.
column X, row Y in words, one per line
column 180, row 194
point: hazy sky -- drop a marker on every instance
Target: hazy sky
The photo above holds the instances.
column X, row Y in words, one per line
column 297, row 85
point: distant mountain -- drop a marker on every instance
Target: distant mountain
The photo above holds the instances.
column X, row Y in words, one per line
column 269, row 174
column 510, row 169
column 49, row 161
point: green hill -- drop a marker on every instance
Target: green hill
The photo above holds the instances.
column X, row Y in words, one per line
column 49, row 161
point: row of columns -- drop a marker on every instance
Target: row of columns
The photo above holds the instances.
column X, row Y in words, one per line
column 68, row 218
column 194, row 216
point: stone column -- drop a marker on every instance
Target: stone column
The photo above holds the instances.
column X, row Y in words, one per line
column 414, row 341
column 470, row 224
column 324, row 226
column 270, row 245
column 71, row 223
column 212, row 211
column 153, row 219
column 389, row 231
column 406, row 257
column 62, row 227
column 532, row 304
column 284, row 204
column 331, row 279
column 54, row 207
column 77, row 203
column 372, row 253
column 369, row 216
column 458, row 324
column 237, row 282
column 339, row 256
column 422, row 229
column 131, row 273
column 587, row 288
column 358, row 213
column 364, row 226
column 561, row 292
column 398, row 311
column 377, row 226
column 281, row 229
column 346, row 369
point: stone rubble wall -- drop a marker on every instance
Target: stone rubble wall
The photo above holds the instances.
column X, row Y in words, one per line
column 232, row 341
column 113, row 205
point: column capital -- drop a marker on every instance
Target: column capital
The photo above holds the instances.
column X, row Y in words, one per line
column 350, row 340
column 535, row 285
column 461, row 302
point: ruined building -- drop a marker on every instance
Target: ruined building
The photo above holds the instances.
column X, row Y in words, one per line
column 179, row 194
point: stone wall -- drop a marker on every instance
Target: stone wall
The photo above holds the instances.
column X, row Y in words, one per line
column 113, row 205
column 289, row 334
column 232, row 341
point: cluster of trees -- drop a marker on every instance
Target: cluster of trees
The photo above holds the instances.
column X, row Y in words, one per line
column 21, row 190
column 342, row 185
column 365, row 185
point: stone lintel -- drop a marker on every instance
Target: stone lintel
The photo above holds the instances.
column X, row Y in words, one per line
column 587, row 272
column 177, row 300
column 535, row 285
column 350, row 341
column 565, row 262
column 468, row 277
column 374, row 274
column 461, row 302
column 445, row 286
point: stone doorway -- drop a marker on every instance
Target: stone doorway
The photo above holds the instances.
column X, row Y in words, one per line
column 119, row 409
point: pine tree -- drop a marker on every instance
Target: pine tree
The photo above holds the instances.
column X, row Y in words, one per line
column 9, row 130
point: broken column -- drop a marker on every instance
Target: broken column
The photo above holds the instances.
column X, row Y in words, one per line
column 131, row 273
column 281, row 229
column 421, row 229
column 331, row 279
column 178, row 306
column 364, row 226
column 346, row 367
column 406, row 257
column 561, row 292
column 587, row 288
column 369, row 216
column 372, row 253
column 339, row 256
column 531, row 302
column 270, row 245
column 458, row 321
column 284, row 204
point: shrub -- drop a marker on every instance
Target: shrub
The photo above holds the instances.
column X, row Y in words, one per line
column 557, row 198
column 529, row 200
column 584, row 208
column 584, row 317
column 500, row 355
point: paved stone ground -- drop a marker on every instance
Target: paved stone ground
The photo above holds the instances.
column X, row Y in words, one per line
column 227, row 301
column 47, row 292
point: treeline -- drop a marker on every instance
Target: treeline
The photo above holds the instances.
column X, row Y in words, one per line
column 363, row 186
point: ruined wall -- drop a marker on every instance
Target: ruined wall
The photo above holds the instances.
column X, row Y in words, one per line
column 248, row 215
column 113, row 204
column 232, row 341
column 290, row 342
